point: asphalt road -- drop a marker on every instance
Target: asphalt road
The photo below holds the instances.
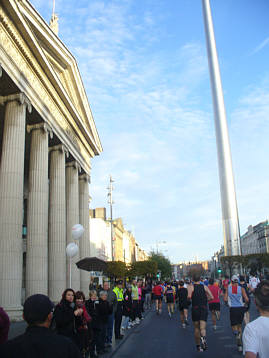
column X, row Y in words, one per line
column 161, row 337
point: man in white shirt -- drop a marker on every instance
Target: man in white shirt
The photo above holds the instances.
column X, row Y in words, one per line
column 254, row 281
column 256, row 333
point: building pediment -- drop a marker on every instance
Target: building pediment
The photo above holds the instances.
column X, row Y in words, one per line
column 54, row 68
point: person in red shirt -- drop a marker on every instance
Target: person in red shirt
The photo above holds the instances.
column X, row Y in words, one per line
column 214, row 305
column 158, row 296
column 225, row 283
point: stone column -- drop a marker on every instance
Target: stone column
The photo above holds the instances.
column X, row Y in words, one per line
column 57, row 223
column 37, row 212
column 84, row 221
column 72, row 218
column 11, row 202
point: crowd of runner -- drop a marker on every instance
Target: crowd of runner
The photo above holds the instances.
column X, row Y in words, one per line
column 204, row 296
column 90, row 323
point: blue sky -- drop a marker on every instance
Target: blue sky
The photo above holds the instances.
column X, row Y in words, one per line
column 144, row 67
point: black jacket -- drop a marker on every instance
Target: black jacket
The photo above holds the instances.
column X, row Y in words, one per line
column 127, row 304
column 39, row 342
column 99, row 311
column 65, row 319
column 182, row 295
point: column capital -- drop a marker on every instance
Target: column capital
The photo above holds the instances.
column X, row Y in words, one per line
column 43, row 126
column 19, row 97
column 74, row 164
column 85, row 177
column 61, row 148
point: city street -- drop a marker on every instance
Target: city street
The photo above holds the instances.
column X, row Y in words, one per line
column 161, row 336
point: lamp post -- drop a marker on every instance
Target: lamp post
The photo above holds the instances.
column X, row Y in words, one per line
column 215, row 266
column 111, row 202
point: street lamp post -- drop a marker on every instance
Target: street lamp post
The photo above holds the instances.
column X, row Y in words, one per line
column 111, row 202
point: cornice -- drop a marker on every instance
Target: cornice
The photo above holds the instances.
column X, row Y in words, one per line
column 59, row 47
column 15, row 64
column 36, row 68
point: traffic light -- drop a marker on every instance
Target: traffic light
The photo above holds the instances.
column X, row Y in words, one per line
column 219, row 270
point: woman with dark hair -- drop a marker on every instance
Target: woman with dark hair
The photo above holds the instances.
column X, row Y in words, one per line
column 65, row 314
column 82, row 324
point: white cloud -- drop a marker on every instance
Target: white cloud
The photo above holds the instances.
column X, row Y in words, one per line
column 264, row 43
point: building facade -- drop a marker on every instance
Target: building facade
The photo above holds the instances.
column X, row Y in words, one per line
column 176, row 272
column 125, row 247
column 255, row 240
column 100, row 238
column 47, row 139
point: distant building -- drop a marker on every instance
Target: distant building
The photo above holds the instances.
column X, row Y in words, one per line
column 100, row 235
column 255, row 240
column 176, row 272
column 215, row 263
column 125, row 247
column 184, row 268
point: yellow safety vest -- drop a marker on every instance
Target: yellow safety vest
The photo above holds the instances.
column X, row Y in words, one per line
column 119, row 293
column 135, row 292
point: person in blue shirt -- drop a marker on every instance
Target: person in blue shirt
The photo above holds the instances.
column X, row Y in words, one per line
column 235, row 296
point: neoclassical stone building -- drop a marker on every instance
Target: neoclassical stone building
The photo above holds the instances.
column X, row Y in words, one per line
column 47, row 139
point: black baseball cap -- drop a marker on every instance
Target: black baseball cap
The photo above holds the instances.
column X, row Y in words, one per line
column 36, row 308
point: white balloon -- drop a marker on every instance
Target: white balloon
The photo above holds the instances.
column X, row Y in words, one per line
column 72, row 249
column 77, row 231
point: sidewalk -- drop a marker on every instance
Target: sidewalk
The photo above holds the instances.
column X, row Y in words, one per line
column 116, row 344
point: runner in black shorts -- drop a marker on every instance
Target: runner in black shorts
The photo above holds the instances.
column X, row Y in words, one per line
column 158, row 291
column 169, row 294
column 198, row 294
column 183, row 304
column 214, row 305
column 235, row 296
column 247, row 304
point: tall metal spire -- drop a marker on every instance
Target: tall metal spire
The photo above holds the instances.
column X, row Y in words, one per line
column 54, row 20
column 227, row 187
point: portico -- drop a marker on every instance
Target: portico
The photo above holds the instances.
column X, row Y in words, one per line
column 47, row 139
